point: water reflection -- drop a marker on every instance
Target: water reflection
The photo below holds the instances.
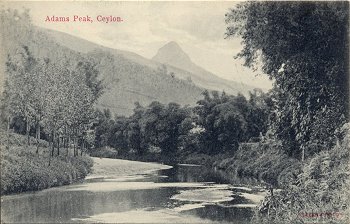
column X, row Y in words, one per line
column 159, row 195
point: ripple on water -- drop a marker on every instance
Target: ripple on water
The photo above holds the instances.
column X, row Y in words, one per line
column 144, row 216
column 209, row 195
column 109, row 186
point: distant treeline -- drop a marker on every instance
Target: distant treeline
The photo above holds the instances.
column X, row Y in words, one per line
column 217, row 124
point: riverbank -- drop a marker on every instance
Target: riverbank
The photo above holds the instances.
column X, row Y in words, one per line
column 120, row 168
column 22, row 169
column 264, row 162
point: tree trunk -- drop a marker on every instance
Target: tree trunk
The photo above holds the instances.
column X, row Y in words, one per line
column 58, row 145
column 8, row 132
column 53, row 143
column 49, row 142
column 303, row 154
column 64, row 142
column 37, row 137
column 27, row 131
column 82, row 147
column 74, row 147
column 68, row 145
column 50, row 147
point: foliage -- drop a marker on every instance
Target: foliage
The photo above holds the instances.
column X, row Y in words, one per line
column 105, row 152
column 229, row 120
column 23, row 170
column 216, row 125
column 56, row 97
column 309, row 66
column 321, row 187
column 263, row 161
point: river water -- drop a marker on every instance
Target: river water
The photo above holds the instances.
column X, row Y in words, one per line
column 182, row 194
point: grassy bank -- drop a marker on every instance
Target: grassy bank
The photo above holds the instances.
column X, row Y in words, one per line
column 24, row 170
column 320, row 192
column 264, row 162
column 313, row 191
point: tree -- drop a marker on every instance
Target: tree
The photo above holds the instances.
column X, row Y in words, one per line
column 260, row 106
column 304, row 48
column 21, row 86
column 89, row 69
column 103, row 127
column 231, row 125
column 223, row 119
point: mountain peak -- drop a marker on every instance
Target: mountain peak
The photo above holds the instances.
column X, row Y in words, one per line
column 173, row 45
column 172, row 54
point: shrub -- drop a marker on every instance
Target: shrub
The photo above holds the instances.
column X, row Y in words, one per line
column 263, row 161
column 23, row 170
column 322, row 187
column 105, row 152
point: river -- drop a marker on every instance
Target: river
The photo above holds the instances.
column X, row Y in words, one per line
column 134, row 193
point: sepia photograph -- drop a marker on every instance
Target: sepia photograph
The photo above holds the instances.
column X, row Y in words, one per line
column 174, row 112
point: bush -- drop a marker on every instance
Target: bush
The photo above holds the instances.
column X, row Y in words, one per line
column 19, row 140
column 262, row 161
column 23, row 170
column 322, row 187
column 105, row 152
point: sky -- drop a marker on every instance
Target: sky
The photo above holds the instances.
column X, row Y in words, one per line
column 198, row 27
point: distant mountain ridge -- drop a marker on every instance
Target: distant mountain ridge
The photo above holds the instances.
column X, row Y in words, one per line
column 128, row 77
column 171, row 54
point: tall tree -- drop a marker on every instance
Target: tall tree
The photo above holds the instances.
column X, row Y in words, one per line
column 304, row 48
column 21, row 86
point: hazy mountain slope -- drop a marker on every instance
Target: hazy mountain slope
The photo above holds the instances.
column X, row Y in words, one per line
column 126, row 81
column 171, row 54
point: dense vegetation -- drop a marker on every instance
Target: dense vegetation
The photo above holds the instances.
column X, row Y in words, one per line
column 309, row 67
column 304, row 48
column 320, row 193
column 53, row 101
column 53, row 98
column 24, row 170
column 171, row 132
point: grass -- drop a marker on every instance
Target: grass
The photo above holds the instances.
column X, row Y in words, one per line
column 24, row 170
column 265, row 162
column 320, row 193
column 313, row 191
